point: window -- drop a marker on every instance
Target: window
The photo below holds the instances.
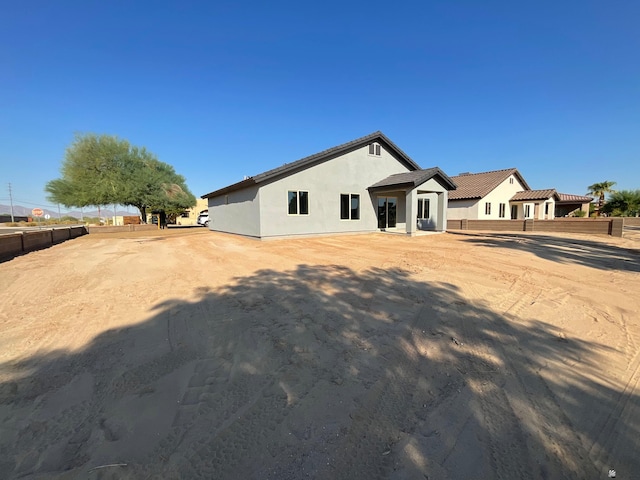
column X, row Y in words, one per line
column 185, row 214
column 546, row 209
column 527, row 211
column 487, row 208
column 298, row 202
column 374, row 149
column 511, row 180
column 349, row 206
column 503, row 210
column 423, row 208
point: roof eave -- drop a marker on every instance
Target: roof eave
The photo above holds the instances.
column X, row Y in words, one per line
column 231, row 188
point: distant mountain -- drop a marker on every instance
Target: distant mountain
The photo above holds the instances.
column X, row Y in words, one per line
column 20, row 211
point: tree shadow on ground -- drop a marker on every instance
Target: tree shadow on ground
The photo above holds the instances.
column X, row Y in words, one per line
column 589, row 253
column 320, row 372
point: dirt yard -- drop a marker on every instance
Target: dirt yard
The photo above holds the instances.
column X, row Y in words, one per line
column 187, row 354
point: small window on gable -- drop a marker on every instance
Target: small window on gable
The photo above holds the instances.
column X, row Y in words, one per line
column 374, row 149
column 511, row 180
column 298, row 202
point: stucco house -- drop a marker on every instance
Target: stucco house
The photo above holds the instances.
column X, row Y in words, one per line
column 504, row 194
column 365, row 185
column 486, row 195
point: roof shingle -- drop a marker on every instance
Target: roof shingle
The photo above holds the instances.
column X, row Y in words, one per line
column 567, row 197
column 318, row 158
column 478, row 185
column 413, row 179
column 535, row 195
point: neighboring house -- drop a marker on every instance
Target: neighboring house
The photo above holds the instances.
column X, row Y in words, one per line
column 536, row 204
column 190, row 216
column 365, row 185
column 504, row 194
column 486, row 196
column 569, row 205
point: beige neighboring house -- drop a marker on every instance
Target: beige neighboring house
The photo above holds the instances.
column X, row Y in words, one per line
column 535, row 204
column 190, row 216
column 486, row 196
column 504, row 194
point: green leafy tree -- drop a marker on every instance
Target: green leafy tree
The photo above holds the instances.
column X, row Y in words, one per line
column 599, row 190
column 624, row 203
column 104, row 170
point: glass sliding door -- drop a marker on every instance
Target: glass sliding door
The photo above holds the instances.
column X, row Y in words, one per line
column 387, row 208
column 382, row 212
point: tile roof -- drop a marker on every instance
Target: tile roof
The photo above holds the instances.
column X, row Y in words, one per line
column 535, row 195
column 316, row 158
column 413, row 179
column 478, row 185
column 567, row 197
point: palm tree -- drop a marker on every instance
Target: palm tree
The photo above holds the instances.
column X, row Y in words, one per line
column 625, row 203
column 599, row 190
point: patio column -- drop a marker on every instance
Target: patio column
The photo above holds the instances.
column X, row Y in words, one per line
column 441, row 220
column 411, row 208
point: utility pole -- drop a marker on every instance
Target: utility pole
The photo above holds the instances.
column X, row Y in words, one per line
column 11, row 202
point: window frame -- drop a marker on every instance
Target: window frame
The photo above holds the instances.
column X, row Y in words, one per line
column 298, row 203
column 424, row 213
column 349, row 197
column 375, row 149
column 487, row 208
column 502, row 210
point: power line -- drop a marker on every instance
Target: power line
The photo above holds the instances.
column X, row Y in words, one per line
column 11, row 200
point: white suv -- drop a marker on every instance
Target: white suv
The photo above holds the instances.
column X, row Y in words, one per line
column 203, row 218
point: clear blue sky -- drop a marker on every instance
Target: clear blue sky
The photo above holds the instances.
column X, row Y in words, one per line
column 221, row 89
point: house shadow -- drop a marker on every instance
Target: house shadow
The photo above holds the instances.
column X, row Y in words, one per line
column 562, row 249
column 319, row 372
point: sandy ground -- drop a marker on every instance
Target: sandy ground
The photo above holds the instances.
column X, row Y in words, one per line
column 191, row 354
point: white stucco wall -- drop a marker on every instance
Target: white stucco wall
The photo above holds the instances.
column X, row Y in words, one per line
column 348, row 174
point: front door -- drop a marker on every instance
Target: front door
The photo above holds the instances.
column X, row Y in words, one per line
column 387, row 207
column 514, row 212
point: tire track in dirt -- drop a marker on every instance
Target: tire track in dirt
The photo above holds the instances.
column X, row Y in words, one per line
column 622, row 420
column 386, row 415
column 521, row 401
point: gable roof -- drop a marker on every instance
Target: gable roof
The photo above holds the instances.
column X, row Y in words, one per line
column 311, row 160
column 414, row 179
column 535, row 195
column 479, row 185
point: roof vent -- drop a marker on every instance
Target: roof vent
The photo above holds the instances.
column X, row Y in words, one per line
column 464, row 173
